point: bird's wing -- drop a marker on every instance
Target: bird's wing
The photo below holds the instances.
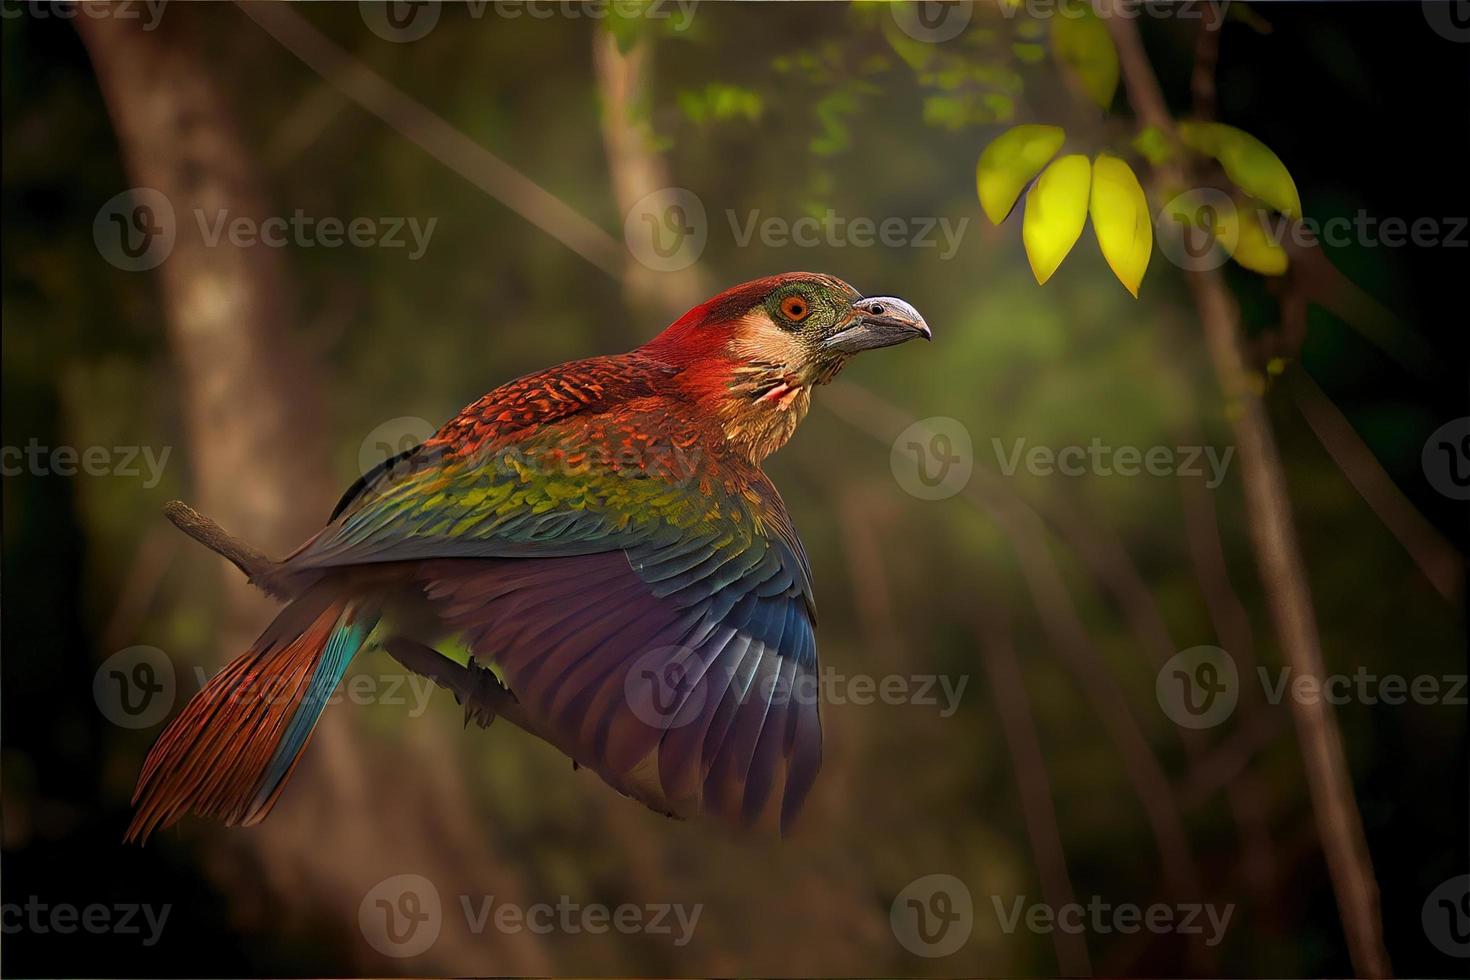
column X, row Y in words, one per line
column 698, row 694
column 649, row 605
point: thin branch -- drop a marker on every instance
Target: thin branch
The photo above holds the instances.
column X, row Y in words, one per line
column 1278, row 554
column 1228, row 760
column 437, row 137
column 1112, row 565
column 1038, row 808
column 256, row 566
column 1206, row 59
column 150, row 563
column 1436, row 557
column 867, row 412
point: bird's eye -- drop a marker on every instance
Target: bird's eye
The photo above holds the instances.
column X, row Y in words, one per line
column 795, row 308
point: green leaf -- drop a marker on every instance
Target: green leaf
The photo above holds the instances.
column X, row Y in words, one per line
column 1081, row 42
column 1009, row 163
column 1056, row 210
column 915, row 53
column 1247, row 161
column 1121, row 220
column 832, row 111
column 1153, row 145
column 1027, row 52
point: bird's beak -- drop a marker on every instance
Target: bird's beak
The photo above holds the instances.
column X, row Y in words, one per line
column 877, row 321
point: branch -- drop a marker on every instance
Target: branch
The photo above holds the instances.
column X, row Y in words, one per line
column 1037, row 805
column 258, row 568
column 1206, row 59
column 437, row 137
column 1065, row 630
column 1278, row 553
column 1436, row 557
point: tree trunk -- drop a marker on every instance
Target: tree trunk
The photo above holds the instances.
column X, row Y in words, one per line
column 251, row 415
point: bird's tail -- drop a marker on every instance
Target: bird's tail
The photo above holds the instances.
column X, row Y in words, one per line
column 230, row 751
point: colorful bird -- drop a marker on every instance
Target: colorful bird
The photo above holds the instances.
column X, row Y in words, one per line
column 602, row 534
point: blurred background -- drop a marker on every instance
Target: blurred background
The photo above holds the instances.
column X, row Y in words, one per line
column 507, row 173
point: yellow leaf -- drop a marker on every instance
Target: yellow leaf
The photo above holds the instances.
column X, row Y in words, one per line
column 1251, row 245
column 1056, row 210
column 1248, row 162
column 1121, row 219
column 1082, row 43
column 1008, row 164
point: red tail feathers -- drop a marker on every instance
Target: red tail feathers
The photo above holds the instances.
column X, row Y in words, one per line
column 232, row 749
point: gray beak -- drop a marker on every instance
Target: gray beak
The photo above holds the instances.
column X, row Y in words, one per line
column 878, row 321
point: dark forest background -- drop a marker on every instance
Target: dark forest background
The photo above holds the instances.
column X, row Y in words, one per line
column 273, row 375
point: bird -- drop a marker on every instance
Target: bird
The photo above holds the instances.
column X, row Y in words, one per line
column 603, row 541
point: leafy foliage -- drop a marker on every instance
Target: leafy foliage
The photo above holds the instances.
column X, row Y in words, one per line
column 1056, row 211
column 1248, row 162
column 1083, row 47
column 718, row 101
column 1120, row 216
column 1011, row 162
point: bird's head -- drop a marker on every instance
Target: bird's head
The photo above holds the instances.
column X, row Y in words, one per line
column 753, row 353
